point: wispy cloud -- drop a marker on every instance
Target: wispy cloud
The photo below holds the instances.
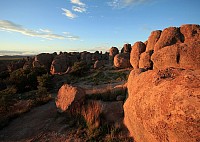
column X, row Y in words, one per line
column 78, row 2
column 45, row 30
column 69, row 14
column 46, row 34
column 78, row 9
column 125, row 3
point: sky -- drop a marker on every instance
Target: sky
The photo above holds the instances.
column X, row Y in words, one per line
column 35, row 26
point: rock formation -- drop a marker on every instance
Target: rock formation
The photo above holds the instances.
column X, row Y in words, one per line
column 44, row 59
column 68, row 96
column 98, row 64
column 122, row 60
column 163, row 103
column 126, row 48
column 185, row 55
column 153, row 38
column 113, row 51
column 137, row 49
column 60, row 64
column 191, row 32
column 169, row 36
column 145, row 61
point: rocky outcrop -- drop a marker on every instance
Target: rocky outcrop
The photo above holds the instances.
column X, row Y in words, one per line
column 153, row 38
column 145, row 60
column 68, row 96
column 169, row 36
column 137, row 49
column 113, row 51
column 126, row 48
column 163, row 105
column 185, row 55
column 190, row 32
column 122, row 60
column 98, row 64
column 44, row 59
column 60, row 64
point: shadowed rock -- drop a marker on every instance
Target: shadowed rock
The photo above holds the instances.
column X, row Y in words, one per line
column 60, row 64
column 122, row 60
column 98, row 64
column 145, row 60
column 44, row 59
column 126, row 48
column 113, row 51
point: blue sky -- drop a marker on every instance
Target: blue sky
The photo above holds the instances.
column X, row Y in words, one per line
column 34, row 26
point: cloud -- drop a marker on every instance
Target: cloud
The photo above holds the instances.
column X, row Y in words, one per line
column 45, row 30
column 78, row 9
column 125, row 3
column 46, row 34
column 69, row 14
column 78, row 2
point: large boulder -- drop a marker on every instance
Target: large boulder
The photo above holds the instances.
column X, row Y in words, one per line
column 138, row 48
column 112, row 52
column 185, row 55
column 60, row 64
column 163, row 105
column 122, row 60
column 126, row 48
column 190, row 32
column 69, row 96
column 145, row 60
column 169, row 36
column 98, row 64
column 153, row 38
column 44, row 59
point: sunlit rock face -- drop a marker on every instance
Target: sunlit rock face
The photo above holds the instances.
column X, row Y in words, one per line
column 163, row 102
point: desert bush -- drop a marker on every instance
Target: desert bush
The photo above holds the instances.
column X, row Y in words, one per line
column 45, row 81
column 79, row 68
column 7, row 98
column 26, row 79
column 42, row 96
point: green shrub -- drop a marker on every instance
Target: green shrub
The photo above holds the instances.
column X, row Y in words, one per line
column 79, row 68
column 45, row 81
column 7, row 98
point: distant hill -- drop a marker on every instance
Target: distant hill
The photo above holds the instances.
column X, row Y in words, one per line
column 15, row 57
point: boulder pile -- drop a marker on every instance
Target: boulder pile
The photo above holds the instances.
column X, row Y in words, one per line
column 164, row 86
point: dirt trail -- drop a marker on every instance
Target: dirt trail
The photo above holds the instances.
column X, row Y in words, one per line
column 30, row 124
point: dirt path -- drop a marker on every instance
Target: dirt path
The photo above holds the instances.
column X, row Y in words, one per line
column 30, row 124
